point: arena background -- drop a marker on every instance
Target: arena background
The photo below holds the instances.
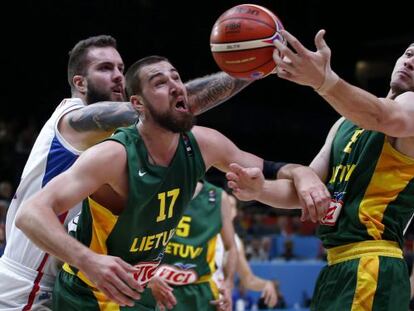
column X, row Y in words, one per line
column 273, row 118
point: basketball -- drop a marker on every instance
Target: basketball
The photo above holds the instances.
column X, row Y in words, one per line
column 241, row 41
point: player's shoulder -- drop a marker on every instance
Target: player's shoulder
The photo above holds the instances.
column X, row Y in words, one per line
column 406, row 97
column 73, row 102
column 201, row 132
column 107, row 149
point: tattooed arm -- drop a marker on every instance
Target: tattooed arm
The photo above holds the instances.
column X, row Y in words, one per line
column 85, row 127
column 209, row 91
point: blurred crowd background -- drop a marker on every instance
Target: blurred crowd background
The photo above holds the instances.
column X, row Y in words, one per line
column 275, row 119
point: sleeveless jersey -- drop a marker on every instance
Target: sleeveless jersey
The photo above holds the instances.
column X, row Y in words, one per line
column 372, row 189
column 50, row 156
column 190, row 254
column 157, row 197
column 27, row 273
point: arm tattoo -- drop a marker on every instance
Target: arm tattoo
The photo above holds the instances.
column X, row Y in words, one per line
column 209, row 91
column 104, row 116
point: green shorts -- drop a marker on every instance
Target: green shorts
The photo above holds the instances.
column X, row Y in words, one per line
column 367, row 283
column 72, row 294
column 195, row 297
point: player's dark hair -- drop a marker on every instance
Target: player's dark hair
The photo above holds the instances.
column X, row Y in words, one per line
column 132, row 81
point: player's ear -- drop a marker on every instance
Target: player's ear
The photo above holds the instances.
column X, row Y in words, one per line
column 137, row 102
column 80, row 83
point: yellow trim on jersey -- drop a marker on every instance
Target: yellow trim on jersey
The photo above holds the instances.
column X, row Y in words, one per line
column 211, row 254
column 384, row 187
column 211, row 260
column 80, row 275
column 104, row 303
column 203, row 279
column 68, row 269
column 103, row 222
column 367, row 280
column 361, row 249
column 214, row 289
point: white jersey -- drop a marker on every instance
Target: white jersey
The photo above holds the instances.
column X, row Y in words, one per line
column 220, row 258
column 50, row 156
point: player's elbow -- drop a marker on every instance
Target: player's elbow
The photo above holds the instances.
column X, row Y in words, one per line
column 391, row 118
column 28, row 215
column 23, row 218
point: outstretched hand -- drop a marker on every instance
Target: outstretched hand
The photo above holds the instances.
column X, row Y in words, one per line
column 300, row 65
column 246, row 183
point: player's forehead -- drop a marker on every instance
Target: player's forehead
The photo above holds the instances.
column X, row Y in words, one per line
column 161, row 68
column 410, row 48
column 104, row 55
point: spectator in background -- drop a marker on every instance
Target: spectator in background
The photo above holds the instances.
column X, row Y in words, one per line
column 6, row 190
column 7, row 141
column 3, row 210
column 256, row 250
column 285, row 224
column 288, row 250
column 242, row 222
column 26, row 138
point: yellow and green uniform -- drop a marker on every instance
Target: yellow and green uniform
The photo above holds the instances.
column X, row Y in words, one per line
column 156, row 200
column 189, row 261
column 372, row 189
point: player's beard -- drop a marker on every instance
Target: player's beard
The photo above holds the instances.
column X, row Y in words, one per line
column 94, row 95
column 175, row 121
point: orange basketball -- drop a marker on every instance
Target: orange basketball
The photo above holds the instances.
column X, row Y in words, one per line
column 242, row 41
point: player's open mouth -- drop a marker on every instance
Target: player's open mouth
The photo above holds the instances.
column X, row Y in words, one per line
column 181, row 106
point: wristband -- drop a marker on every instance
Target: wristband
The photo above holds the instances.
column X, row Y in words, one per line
column 270, row 169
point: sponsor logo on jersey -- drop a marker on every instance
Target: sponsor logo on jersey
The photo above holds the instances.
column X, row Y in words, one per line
column 146, row 271
column 334, row 209
column 178, row 274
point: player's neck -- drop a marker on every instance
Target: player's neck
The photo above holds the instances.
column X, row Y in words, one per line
column 160, row 144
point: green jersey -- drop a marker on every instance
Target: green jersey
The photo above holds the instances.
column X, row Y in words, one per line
column 372, row 189
column 190, row 254
column 157, row 197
